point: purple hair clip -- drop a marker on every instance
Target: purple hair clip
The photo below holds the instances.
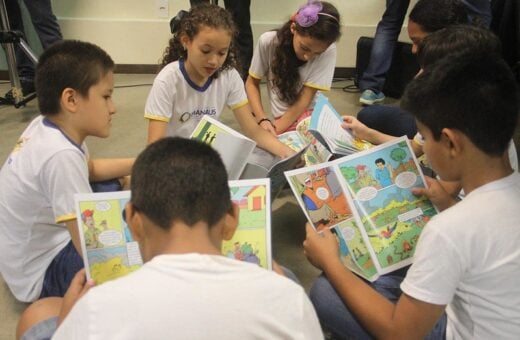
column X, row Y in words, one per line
column 307, row 15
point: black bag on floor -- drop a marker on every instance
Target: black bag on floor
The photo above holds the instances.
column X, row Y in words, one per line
column 404, row 66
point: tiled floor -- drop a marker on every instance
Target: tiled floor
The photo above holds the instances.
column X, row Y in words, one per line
column 127, row 139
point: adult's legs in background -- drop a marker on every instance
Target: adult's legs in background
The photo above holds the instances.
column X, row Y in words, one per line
column 385, row 39
column 240, row 9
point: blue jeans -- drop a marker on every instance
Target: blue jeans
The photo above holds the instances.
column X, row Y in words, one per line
column 387, row 32
column 46, row 27
column 336, row 318
column 390, row 120
column 479, row 10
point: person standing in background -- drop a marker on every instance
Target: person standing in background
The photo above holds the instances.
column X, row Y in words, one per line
column 46, row 27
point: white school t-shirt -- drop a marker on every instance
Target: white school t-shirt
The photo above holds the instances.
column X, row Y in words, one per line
column 176, row 100
column 38, row 182
column 317, row 73
column 468, row 257
column 194, row 296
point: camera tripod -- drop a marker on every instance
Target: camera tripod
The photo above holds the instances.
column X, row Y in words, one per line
column 8, row 39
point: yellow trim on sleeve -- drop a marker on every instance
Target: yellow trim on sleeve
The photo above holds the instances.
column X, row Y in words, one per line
column 317, row 87
column 256, row 76
column 239, row 104
column 65, row 218
column 159, row 118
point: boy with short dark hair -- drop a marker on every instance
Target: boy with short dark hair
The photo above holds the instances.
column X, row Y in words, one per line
column 39, row 242
column 179, row 212
column 467, row 259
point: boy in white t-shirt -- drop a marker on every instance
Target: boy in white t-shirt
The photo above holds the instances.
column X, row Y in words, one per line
column 179, row 213
column 467, row 260
column 39, row 242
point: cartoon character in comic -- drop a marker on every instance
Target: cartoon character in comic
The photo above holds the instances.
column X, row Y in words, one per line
column 323, row 197
column 90, row 234
column 385, row 233
column 383, row 173
column 365, row 179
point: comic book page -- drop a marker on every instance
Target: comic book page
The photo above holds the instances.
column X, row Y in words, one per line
column 380, row 182
column 106, row 242
column 325, row 204
column 325, row 125
column 233, row 147
column 252, row 240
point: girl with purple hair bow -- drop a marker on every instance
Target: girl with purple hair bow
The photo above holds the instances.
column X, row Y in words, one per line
column 297, row 60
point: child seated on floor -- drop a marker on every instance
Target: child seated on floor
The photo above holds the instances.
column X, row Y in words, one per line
column 297, row 60
column 467, row 260
column 198, row 77
column 179, row 213
column 39, row 241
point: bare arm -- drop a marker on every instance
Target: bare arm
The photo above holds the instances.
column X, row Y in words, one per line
column 407, row 319
column 105, row 169
column 156, row 130
column 263, row 138
column 442, row 193
column 362, row 131
column 294, row 111
column 255, row 100
column 72, row 227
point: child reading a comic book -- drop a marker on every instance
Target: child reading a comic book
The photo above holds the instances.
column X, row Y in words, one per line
column 198, row 77
column 39, row 243
column 467, row 259
column 454, row 39
column 297, row 61
column 180, row 211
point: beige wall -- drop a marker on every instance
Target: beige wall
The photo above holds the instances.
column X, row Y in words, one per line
column 133, row 32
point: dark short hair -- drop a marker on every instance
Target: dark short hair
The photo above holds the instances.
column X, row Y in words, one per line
column 456, row 39
column 474, row 93
column 69, row 64
column 177, row 179
column 432, row 15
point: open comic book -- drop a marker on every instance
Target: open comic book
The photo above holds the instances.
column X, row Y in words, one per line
column 110, row 252
column 325, row 125
column 366, row 200
column 252, row 240
column 263, row 164
column 315, row 153
column 233, row 147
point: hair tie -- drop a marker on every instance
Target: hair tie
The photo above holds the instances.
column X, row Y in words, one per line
column 309, row 13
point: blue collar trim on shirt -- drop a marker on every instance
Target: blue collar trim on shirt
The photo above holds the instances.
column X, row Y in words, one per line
column 190, row 82
column 50, row 124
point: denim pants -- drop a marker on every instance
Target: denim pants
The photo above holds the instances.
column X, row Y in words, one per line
column 336, row 318
column 46, row 27
column 479, row 10
column 390, row 120
column 387, row 32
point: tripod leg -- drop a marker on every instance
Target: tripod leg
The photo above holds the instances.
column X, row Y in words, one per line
column 28, row 52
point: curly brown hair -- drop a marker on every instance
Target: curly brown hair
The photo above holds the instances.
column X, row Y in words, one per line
column 286, row 78
column 206, row 15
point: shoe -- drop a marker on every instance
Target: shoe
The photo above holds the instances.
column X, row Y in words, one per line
column 370, row 97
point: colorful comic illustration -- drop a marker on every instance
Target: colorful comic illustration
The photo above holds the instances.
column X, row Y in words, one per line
column 316, row 153
column 106, row 239
column 380, row 183
column 320, row 194
column 252, row 240
column 353, row 251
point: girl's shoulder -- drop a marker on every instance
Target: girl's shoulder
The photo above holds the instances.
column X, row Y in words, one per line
column 267, row 38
